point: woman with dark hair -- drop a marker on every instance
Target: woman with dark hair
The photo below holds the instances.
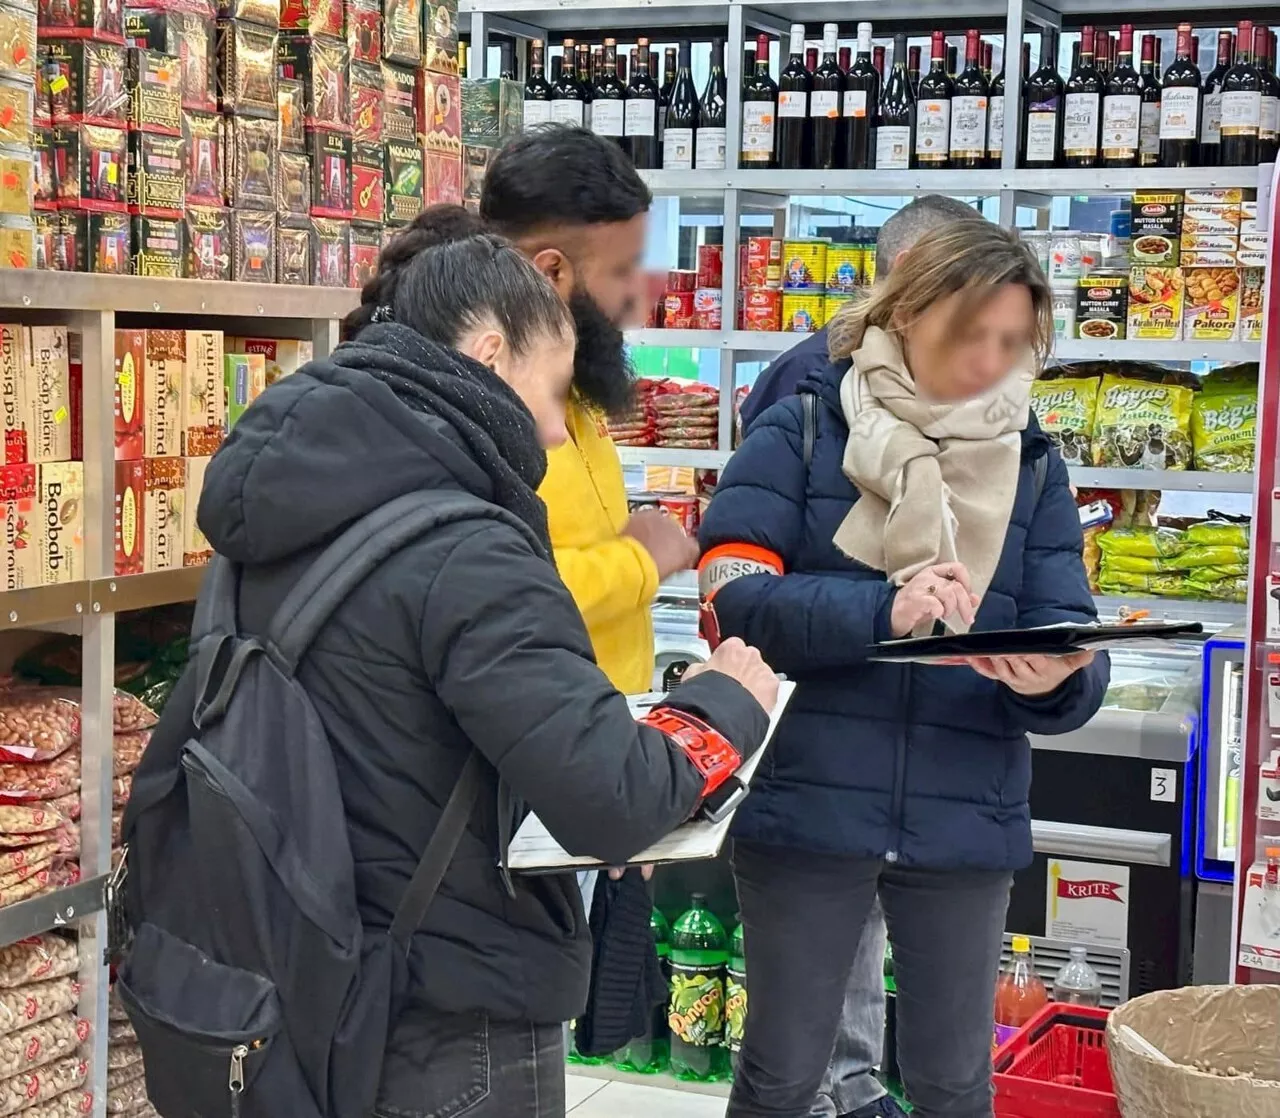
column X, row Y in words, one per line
column 453, row 380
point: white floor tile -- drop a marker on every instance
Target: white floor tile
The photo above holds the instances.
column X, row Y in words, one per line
column 578, row 1088
column 623, row 1100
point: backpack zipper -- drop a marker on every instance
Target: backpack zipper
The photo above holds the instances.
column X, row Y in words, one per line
column 235, row 1082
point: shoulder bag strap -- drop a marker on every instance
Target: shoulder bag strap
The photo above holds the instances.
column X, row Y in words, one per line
column 809, row 411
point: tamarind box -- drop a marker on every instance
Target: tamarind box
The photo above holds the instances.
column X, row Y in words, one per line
column 165, row 502
column 204, row 399
column 196, row 549
column 21, row 520
column 60, row 534
column 53, row 404
column 130, row 397
column 130, row 517
column 13, row 391
column 166, row 356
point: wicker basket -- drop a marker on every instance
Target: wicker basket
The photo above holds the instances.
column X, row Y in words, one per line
column 1226, row 1028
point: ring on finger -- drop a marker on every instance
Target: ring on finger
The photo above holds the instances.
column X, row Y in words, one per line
column 932, row 589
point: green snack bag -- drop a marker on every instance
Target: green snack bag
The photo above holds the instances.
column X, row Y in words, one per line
column 1157, row 543
column 1065, row 409
column 1218, row 533
column 1224, row 430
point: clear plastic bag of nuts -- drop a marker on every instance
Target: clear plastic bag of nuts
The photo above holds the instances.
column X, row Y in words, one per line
column 126, row 1099
column 20, row 1091
column 41, row 780
column 37, row 959
column 72, row 1104
column 41, row 1043
column 37, row 724
column 38, row 1001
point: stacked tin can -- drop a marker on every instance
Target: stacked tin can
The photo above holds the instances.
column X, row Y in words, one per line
column 17, row 132
column 760, row 284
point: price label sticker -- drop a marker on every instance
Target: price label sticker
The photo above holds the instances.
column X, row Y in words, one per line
column 1164, row 786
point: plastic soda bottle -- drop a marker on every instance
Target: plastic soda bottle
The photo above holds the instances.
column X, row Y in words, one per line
column 1020, row 994
column 1077, row 983
column 649, row 1053
column 735, row 994
column 695, row 1013
column 890, row 982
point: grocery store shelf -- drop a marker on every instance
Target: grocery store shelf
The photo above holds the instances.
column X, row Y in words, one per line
column 81, row 291
column 1078, row 349
column 610, row 1074
column 44, row 605
column 158, row 588
column 744, row 341
column 671, row 456
column 1189, row 481
column 53, row 910
column 1099, row 181
column 1212, row 615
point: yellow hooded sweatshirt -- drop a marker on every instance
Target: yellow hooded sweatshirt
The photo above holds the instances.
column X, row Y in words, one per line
column 611, row 577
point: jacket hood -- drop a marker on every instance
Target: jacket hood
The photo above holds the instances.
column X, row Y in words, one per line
column 318, row 450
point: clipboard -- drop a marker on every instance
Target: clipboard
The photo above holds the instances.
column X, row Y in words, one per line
column 1045, row 640
column 534, row 850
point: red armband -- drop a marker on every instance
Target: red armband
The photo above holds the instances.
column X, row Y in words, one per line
column 710, row 751
column 722, row 565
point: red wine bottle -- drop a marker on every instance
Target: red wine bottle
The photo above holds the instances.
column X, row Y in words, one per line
column 913, row 70
column 642, row 112
column 1149, row 122
column 1122, row 107
column 1082, row 111
column 1269, row 128
column 969, row 108
column 1180, row 106
column 1211, row 102
column 877, row 62
column 608, row 105
column 537, row 90
column 861, row 96
column 682, row 117
column 712, row 139
column 896, row 115
column 933, row 109
column 995, row 119
column 794, row 86
column 1242, row 102
column 1042, row 124
column 759, row 111
column 567, row 95
column 824, row 102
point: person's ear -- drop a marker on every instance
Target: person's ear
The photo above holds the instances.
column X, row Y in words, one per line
column 557, row 267
column 487, row 346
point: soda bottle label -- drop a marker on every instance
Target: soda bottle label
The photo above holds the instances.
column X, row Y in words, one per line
column 735, row 1009
column 696, row 1012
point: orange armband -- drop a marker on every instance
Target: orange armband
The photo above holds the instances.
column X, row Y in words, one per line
column 710, row 751
column 722, row 565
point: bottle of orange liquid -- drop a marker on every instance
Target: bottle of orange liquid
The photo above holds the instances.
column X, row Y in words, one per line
column 1020, row 994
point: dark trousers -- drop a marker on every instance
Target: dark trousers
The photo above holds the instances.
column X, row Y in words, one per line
column 802, row 917
column 442, row 1066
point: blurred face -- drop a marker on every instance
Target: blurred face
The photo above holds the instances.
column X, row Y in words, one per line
column 541, row 377
column 608, row 262
column 955, row 353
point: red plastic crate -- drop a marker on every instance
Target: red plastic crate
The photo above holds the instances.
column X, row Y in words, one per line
column 1055, row 1066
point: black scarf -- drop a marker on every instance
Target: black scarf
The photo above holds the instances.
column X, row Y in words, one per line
column 491, row 419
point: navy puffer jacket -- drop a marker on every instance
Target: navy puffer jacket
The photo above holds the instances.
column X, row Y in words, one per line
column 924, row 766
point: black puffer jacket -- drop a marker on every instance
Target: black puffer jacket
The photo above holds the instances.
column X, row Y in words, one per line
column 465, row 640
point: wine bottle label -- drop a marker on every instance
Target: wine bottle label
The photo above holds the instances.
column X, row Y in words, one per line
column 1179, row 112
column 855, row 102
column 535, row 113
column 1080, row 125
column 677, row 149
column 995, row 126
column 793, row 102
column 757, row 131
column 968, row 127
column 696, row 1008
column 1121, row 125
column 933, row 130
column 1211, row 119
column 825, row 104
column 893, row 148
column 709, row 148
column 607, row 118
column 1241, row 113
column 566, row 112
column 1149, row 130
column 641, row 117
column 1269, row 122
column 1042, row 132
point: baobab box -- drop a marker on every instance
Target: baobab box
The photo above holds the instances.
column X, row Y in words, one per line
column 60, row 535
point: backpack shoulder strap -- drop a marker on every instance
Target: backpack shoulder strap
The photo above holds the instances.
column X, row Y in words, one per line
column 809, row 414
column 1039, row 472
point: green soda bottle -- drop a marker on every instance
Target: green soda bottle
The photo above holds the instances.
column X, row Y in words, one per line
column 735, row 995
column 699, row 952
column 650, row 1053
column 890, row 983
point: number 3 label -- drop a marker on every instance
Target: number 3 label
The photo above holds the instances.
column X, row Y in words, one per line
column 1164, row 786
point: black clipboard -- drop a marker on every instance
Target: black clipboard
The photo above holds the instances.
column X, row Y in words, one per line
column 1048, row 640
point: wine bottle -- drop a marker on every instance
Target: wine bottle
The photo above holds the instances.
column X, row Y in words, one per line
column 794, row 86
column 824, row 102
column 711, row 140
column 1043, row 122
column 1241, row 118
column 608, row 102
column 682, row 117
column 1102, row 55
column 1149, row 122
column 506, row 61
column 995, row 120
column 1211, row 102
column 759, row 111
column 586, row 82
column 641, row 122
column 845, row 60
column 557, row 68
column 1122, row 107
column 664, row 92
column 953, row 57
column 1082, row 111
column 621, row 68
column 566, row 94
column 969, row 108
column 877, row 62
column 811, row 60
column 988, row 56
column 913, row 70
column 1269, row 127
column 933, row 109
column 896, row 114
column 537, row 90
column 1023, row 74
column 1180, row 106
column 861, row 96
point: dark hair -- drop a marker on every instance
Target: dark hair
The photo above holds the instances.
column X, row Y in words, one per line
column 443, row 275
column 560, row 175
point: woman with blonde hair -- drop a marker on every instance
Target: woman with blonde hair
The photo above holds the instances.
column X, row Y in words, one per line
column 907, row 488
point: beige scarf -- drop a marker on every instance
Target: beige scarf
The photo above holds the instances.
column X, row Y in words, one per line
column 937, row 480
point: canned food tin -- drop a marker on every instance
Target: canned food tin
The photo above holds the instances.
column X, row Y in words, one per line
column 1064, row 257
column 804, row 265
column 707, row 308
column 1039, row 241
column 710, row 265
column 762, row 309
column 17, row 242
column 844, row 267
column 682, row 280
column 868, row 264
column 677, row 310
column 1064, row 311
column 832, row 305
column 682, row 509
column 760, row 262
column 802, row 313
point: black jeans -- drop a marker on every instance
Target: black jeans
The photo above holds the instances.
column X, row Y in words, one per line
column 442, row 1066
column 802, row 917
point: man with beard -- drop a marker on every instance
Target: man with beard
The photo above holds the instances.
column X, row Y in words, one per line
column 573, row 204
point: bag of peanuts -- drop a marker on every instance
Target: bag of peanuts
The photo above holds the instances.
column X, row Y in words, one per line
column 37, row 959
column 36, row 724
column 41, row 1044
column 20, row 1091
column 126, row 1099
column 40, row 780
column 127, row 750
column 74, row 1104
column 125, row 1055
column 21, row 824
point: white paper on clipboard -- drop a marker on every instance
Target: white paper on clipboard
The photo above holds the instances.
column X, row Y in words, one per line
column 533, row 850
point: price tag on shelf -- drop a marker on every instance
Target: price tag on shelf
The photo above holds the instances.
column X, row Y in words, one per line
column 1164, row 786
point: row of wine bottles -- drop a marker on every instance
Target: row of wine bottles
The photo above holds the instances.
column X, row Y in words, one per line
column 839, row 109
